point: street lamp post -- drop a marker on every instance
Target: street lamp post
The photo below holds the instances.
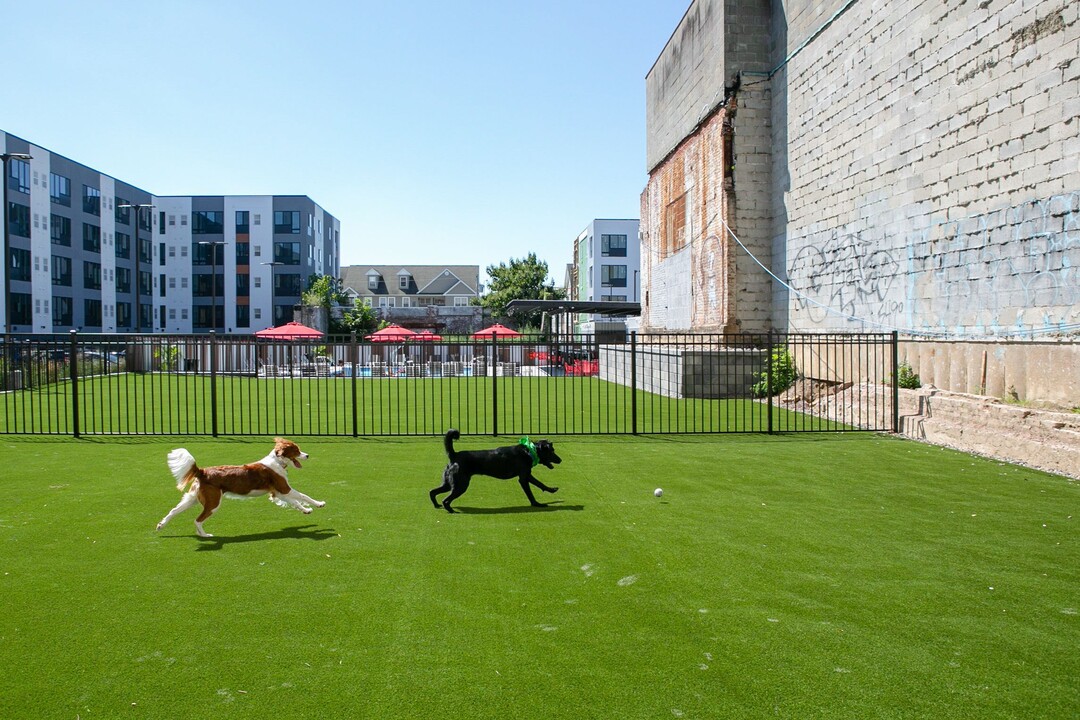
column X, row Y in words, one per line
column 7, row 236
column 213, row 245
column 138, row 257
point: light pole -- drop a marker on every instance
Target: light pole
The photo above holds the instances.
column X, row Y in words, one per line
column 138, row 253
column 7, row 237
column 273, row 286
column 213, row 245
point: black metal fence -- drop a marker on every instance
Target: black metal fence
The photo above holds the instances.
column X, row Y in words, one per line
column 84, row 384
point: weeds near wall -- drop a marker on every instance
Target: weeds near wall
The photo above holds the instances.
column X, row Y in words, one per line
column 907, row 378
column 779, row 369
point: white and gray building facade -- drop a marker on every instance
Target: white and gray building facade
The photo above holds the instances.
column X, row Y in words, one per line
column 90, row 252
column 607, row 265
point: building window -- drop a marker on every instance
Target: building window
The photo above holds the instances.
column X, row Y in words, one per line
column 61, row 230
column 287, row 253
column 123, row 214
column 61, row 311
column 613, row 298
column 243, row 250
column 20, row 264
column 161, row 284
column 123, row 280
column 207, row 222
column 243, row 316
column 161, row 223
column 91, row 276
column 20, row 175
column 373, row 281
column 208, row 254
column 243, row 285
column 243, row 226
column 461, row 301
column 258, row 282
column 19, row 219
column 123, row 245
column 92, row 312
column 613, row 275
column 91, row 201
column 287, row 285
column 61, row 270
column 60, row 189
column 146, row 289
column 613, row 245
column 287, row 222
column 161, row 253
column 21, row 309
column 403, row 281
column 91, row 238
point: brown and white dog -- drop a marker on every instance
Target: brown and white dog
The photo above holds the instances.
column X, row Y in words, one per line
column 208, row 485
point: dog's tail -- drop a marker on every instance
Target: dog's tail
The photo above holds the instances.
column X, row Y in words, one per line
column 183, row 467
column 448, row 442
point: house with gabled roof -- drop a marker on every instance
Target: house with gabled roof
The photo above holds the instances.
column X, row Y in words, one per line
column 435, row 297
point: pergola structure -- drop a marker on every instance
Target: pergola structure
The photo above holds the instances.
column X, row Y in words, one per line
column 561, row 310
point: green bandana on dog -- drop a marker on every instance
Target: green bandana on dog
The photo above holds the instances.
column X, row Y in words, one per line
column 531, row 447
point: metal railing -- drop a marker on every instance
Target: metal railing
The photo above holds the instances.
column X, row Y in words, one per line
column 83, row 384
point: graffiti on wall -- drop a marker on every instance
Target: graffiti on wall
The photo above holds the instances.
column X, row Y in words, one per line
column 1015, row 270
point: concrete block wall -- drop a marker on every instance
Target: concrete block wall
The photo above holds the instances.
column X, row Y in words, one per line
column 932, row 157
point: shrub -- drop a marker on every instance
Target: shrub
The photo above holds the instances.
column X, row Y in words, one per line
column 783, row 372
column 907, row 378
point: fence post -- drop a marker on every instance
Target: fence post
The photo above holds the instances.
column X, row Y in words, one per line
column 895, row 382
column 768, row 379
column 213, row 383
column 73, row 373
column 494, row 388
column 354, row 358
column 633, row 382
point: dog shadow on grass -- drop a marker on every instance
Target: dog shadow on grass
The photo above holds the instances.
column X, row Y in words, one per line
column 551, row 507
column 297, row 532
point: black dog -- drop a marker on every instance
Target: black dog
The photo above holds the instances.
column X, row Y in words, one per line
column 503, row 463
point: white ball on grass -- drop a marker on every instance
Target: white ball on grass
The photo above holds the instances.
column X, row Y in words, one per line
column 658, row 492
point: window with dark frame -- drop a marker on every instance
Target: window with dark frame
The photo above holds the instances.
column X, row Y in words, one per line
column 613, row 275
column 613, row 245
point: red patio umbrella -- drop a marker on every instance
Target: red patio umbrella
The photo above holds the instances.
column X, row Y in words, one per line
column 498, row 330
column 391, row 333
column 290, row 331
column 428, row 336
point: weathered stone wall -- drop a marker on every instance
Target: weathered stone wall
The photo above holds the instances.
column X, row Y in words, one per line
column 933, row 167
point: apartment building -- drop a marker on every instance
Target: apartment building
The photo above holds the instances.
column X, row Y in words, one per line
column 606, row 267
column 90, row 252
column 433, row 297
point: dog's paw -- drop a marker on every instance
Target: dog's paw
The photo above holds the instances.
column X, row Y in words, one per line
column 159, row 526
column 306, row 510
column 319, row 503
column 553, row 490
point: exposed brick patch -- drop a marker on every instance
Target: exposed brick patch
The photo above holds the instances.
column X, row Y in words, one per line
column 1032, row 33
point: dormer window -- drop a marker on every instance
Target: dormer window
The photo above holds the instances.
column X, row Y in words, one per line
column 373, row 280
column 404, row 279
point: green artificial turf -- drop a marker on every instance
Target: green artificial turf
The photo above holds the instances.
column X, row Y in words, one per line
column 843, row 576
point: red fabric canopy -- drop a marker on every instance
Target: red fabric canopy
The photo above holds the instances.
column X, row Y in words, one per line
column 290, row 331
column 428, row 336
column 391, row 333
column 498, row 330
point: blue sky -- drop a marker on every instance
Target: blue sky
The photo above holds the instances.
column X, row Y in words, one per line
column 459, row 133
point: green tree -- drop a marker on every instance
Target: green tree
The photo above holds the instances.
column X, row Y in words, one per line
column 324, row 291
column 524, row 279
column 359, row 317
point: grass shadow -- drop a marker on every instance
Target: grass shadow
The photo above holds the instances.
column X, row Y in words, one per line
column 551, row 507
column 298, row 532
